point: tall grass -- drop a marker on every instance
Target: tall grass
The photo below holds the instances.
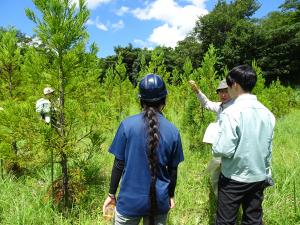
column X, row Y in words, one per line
column 24, row 201
column 282, row 203
column 21, row 203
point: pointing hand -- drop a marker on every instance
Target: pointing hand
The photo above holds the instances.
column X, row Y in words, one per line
column 194, row 86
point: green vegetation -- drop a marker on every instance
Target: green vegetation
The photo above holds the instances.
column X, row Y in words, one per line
column 94, row 95
column 282, row 201
column 26, row 200
column 239, row 38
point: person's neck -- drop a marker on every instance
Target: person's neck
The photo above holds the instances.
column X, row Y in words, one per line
column 242, row 93
column 239, row 91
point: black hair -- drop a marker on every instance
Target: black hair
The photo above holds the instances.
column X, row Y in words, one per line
column 244, row 75
column 152, row 125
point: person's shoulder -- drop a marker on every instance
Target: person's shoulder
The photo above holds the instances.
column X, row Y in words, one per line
column 259, row 104
column 133, row 117
column 42, row 100
column 167, row 123
column 131, row 120
column 268, row 112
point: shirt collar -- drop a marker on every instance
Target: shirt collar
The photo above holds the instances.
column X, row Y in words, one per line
column 226, row 104
column 245, row 96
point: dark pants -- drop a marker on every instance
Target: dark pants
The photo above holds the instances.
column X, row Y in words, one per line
column 232, row 194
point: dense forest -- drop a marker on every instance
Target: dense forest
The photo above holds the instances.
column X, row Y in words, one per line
column 239, row 38
column 68, row 167
column 273, row 41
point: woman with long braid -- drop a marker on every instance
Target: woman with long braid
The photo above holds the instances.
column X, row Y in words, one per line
column 147, row 149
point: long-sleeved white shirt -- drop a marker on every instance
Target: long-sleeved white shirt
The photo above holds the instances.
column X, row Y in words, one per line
column 216, row 107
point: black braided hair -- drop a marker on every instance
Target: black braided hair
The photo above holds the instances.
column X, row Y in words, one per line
column 152, row 125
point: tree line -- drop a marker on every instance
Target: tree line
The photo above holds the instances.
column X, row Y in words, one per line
column 273, row 41
column 239, row 38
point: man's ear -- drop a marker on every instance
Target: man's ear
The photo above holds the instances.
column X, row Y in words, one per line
column 233, row 86
column 237, row 87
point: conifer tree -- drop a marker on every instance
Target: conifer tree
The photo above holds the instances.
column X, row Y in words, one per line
column 10, row 59
column 61, row 28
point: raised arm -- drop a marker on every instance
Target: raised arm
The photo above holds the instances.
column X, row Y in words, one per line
column 205, row 102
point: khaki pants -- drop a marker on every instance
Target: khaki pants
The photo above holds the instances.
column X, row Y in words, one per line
column 214, row 169
column 127, row 220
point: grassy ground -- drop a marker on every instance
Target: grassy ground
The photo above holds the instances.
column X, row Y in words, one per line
column 282, row 202
column 25, row 201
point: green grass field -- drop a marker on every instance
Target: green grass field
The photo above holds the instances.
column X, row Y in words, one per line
column 26, row 201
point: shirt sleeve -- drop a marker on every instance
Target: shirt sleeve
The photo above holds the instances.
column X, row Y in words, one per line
column 206, row 103
column 116, row 175
column 177, row 154
column 227, row 140
column 173, row 181
column 118, row 145
column 269, row 156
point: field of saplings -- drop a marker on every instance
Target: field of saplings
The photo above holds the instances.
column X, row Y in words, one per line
column 56, row 169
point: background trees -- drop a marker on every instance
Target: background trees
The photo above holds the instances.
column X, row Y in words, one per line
column 10, row 58
column 279, row 53
column 214, row 27
column 238, row 37
column 272, row 41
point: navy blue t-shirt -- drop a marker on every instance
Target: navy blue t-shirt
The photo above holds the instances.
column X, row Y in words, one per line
column 130, row 145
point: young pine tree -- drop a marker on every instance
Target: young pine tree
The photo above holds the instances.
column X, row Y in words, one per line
column 61, row 28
